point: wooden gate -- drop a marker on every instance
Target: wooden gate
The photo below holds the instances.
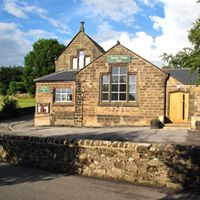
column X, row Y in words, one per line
column 178, row 107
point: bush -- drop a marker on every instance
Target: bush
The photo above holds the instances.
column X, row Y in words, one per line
column 9, row 106
column 16, row 87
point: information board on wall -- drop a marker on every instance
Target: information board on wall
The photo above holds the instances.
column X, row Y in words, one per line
column 119, row 59
column 44, row 89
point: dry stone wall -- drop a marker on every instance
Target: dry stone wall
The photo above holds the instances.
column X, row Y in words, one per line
column 167, row 165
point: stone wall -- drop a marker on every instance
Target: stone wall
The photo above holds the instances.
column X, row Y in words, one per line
column 150, row 102
column 167, row 165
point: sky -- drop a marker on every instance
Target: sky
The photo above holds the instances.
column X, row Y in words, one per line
column 147, row 27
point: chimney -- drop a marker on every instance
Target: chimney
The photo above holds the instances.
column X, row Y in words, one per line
column 82, row 26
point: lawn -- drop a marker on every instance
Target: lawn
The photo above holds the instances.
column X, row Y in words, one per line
column 23, row 102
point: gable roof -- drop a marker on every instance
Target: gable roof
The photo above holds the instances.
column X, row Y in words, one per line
column 95, row 43
column 118, row 43
column 58, row 76
column 184, row 75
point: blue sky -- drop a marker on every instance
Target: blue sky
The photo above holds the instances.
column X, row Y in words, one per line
column 147, row 27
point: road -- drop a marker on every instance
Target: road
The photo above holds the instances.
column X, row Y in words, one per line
column 21, row 183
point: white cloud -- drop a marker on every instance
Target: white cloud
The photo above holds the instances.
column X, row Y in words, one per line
column 178, row 18
column 119, row 11
column 11, row 7
column 21, row 9
column 14, row 43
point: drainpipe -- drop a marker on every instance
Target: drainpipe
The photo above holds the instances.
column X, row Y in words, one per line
column 82, row 95
column 165, row 96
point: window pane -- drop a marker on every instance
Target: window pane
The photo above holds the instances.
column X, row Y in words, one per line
column 63, row 97
column 105, row 87
column 105, row 96
column 114, row 96
column 132, row 78
column 69, row 97
column 132, row 88
column 114, row 87
column 132, row 97
column 75, row 63
column 115, row 70
column 122, row 96
column 57, row 97
column 105, row 79
column 87, row 60
column 81, row 59
column 68, row 90
column 122, row 88
column 122, row 79
column 123, row 70
column 64, row 94
column 115, row 79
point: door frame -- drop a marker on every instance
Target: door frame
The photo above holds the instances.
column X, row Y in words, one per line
column 187, row 104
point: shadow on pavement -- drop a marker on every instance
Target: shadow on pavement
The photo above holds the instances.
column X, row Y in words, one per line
column 14, row 174
column 182, row 196
column 109, row 136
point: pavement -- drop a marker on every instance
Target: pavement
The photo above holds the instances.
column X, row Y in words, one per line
column 21, row 183
column 24, row 126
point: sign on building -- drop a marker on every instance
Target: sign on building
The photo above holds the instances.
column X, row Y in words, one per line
column 119, row 59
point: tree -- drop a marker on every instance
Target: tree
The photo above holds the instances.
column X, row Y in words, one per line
column 16, row 87
column 188, row 57
column 9, row 74
column 40, row 61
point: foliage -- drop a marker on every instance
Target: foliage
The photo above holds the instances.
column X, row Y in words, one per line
column 16, row 87
column 40, row 61
column 22, row 102
column 10, row 105
column 7, row 75
column 188, row 57
column 180, row 60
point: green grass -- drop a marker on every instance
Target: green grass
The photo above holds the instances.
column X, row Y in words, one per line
column 23, row 102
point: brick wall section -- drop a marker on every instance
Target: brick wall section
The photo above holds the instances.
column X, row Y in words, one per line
column 167, row 165
column 81, row 41
column 192, row 90
column 151, row 93
column 60, row 113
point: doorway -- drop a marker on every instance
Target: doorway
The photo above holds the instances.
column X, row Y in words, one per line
column 178, row 106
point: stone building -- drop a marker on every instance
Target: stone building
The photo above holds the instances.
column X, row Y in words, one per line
column 94, row 88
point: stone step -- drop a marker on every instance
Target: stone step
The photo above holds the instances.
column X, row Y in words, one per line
column 185, row 125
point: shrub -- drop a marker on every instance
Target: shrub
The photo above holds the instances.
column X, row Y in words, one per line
column 16, row 87
column 9, row 106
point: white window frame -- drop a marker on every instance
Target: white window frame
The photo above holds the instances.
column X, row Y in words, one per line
column 63, row 92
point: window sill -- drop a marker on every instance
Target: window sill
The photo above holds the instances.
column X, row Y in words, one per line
column 119, row 104
column 63, row 104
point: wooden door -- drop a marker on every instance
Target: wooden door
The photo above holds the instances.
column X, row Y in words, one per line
column 178, row 107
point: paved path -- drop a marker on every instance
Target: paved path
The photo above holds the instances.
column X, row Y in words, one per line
column 24, row 126
column 20, row 183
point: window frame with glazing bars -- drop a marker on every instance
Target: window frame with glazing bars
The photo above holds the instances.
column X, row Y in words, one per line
column 78, row 57
column 127, row 85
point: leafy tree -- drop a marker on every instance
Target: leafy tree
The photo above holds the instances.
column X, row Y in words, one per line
column 7, row 75
column 40, row 61
column 188, row 57
column 16, row 87
column 180, row 60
